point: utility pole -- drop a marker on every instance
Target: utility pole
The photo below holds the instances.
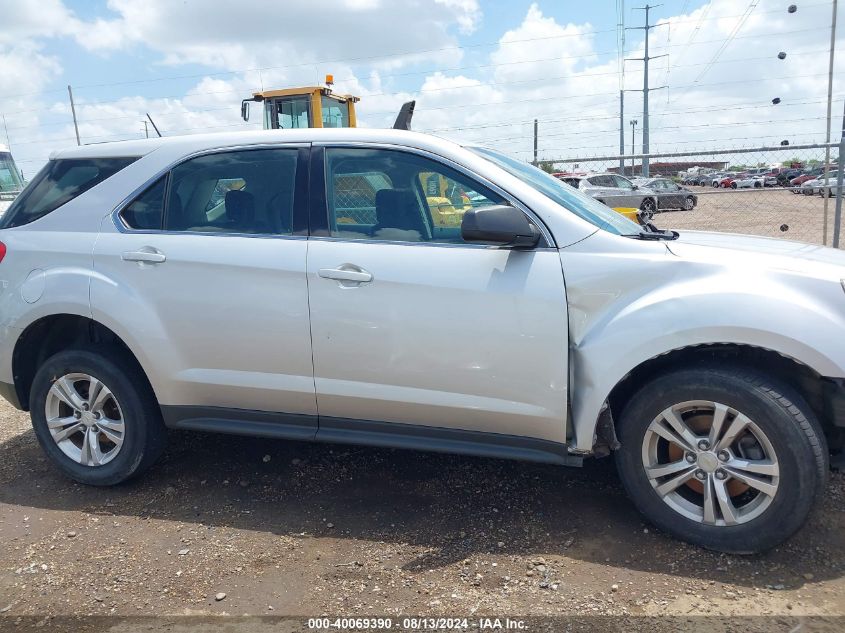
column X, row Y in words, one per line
column 633, row 151
column 535, row 142
column 8, row 142
column 645, row 89
column 829, row 103
column 837, row 214
column 73, row 112
column 621, row 132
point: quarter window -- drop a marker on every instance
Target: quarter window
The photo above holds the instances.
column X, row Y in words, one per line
column 59, row 182
column 249, row 191
column 398, row 196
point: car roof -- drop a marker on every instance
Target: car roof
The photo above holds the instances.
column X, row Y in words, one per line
column 199, row 142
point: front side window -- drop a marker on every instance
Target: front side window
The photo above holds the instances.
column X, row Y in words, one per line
column 335, row 113
column 247, row 191
column 59, row 182
column 398, row 196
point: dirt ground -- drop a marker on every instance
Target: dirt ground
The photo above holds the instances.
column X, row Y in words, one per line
column 291, row 528
column 769, row 212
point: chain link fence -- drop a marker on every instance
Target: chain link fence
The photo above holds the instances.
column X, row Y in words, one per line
column 768, row 191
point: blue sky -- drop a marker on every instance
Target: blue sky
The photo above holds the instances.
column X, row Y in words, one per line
column 481, row 71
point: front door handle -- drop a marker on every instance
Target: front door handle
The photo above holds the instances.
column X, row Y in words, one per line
column 146, row 254
column 348, row 273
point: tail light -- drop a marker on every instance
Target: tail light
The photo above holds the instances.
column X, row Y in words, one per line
column 2, row 251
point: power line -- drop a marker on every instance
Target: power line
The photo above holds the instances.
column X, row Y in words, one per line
column 740, row 23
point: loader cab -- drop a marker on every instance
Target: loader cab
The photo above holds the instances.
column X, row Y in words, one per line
column 306, row 107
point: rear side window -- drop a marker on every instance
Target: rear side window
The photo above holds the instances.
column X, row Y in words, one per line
column 243, row 191
column 59, row 182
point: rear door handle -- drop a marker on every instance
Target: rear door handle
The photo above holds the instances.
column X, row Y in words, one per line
column 346, row 273
column 147, row 254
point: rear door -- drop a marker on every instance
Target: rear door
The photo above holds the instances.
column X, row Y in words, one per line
column 413, row 326
column 205, row 272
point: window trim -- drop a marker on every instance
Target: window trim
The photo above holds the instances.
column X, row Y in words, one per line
column 299, row 227
column 320, row 210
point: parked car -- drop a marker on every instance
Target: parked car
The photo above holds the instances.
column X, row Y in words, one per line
column 784, row 178
column 708, row 364
column 726, row 181
column 745, row 182
column 696, row 179
column 669, row 195
column 815, row 186
column 799, row 180
column 617, row 191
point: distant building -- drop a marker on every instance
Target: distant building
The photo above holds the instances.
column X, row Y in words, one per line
column 670, row 169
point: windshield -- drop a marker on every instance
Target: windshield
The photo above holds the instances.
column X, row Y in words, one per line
column 568, row 197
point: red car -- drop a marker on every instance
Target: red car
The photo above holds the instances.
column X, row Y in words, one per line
column 800, row 180
column 727, row 181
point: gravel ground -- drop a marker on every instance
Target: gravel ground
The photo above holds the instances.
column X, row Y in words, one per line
column 226, row 525
column 773, row 213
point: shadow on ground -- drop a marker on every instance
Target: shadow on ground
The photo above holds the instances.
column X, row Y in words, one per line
column 454, row 507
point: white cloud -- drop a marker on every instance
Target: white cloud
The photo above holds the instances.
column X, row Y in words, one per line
column 540, row 68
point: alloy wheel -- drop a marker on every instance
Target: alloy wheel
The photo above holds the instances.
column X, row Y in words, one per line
column 85, row 419
column 710, row 463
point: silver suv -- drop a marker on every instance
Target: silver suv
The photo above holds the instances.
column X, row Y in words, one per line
column 616, row 191
column 389, row 288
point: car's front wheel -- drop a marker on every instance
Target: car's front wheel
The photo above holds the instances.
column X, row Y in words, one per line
column 723, row 458
column 689, row 203
column 95, row 415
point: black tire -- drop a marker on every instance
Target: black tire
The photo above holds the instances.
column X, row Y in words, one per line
column 648, row 206
column 790, row 425
column 689, row 203
column 145, row 434
column 733, row 185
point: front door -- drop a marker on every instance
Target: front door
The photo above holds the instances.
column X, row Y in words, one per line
column 213, row 291
column 410, row 324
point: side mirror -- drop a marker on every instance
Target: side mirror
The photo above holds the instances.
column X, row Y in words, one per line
column 635, row 187
column 501, row 224
column 245, row 110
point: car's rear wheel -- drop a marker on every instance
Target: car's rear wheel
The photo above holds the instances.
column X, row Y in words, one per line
column 733, row 185
column 723, row 458
column 95, row 416
column 689, row 203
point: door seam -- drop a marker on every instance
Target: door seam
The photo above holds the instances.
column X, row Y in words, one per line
column 311, row 337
